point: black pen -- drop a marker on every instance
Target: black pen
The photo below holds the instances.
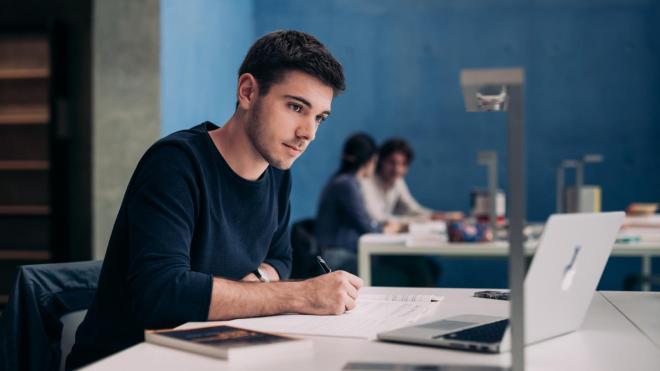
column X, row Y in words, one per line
column 323, row 264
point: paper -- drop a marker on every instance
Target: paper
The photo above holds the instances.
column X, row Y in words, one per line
column 420, row 298
column 373, row 314
column 386, row 239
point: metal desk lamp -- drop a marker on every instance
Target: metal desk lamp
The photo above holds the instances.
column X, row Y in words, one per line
column 502, row 90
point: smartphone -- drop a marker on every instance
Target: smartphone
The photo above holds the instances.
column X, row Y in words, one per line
column 492, row 294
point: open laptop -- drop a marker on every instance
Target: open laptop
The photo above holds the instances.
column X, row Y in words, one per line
column 559, row 286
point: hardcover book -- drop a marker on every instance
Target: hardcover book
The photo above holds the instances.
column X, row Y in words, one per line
column 230, row 343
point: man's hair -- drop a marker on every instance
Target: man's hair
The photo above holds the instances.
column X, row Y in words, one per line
column 279, row 52
column 359, row 148
column 395, row 145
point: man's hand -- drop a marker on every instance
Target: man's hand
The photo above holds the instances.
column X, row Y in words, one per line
column 394, row 226
column 331, row 293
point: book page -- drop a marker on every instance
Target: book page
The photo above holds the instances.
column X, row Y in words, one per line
column 365, row 321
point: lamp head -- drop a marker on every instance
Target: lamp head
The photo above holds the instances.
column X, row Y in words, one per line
column 486, row 89
column 486, row 157
column 592, row 158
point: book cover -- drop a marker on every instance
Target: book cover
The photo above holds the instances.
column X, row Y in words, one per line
column 230, row 343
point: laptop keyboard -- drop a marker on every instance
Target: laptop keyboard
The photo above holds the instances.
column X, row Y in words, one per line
column 488, row 333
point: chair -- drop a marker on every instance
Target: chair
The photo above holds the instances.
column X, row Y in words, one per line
column 304, row 250
column 31, row 328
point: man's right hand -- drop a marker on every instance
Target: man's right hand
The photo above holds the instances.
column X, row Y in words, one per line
column 331, row 293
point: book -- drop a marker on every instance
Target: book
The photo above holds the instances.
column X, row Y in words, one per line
column 230, row 343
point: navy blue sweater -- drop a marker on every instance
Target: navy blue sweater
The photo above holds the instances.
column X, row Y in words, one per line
column 185, row 217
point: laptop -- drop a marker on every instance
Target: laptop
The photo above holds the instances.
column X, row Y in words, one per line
column 559, row 286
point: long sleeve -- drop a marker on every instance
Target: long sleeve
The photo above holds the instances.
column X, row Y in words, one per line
column 406, row 205
column 352, row 203
column 163, row 290
column 374, row 200
column 280, row 254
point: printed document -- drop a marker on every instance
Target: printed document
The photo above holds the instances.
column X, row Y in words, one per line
column 373, row 314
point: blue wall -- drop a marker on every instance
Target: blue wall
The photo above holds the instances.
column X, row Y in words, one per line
column 203, row 43
column 593, row 85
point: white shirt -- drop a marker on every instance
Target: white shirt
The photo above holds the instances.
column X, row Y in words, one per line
column 394, row 203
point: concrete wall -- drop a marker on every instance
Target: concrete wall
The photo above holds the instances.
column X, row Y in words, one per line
column 125, row 104
column 203, row 43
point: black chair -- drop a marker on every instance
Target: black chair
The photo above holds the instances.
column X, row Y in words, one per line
column 30, row 327
column 305, row 249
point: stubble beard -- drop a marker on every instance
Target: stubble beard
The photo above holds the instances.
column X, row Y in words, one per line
column 255, row 132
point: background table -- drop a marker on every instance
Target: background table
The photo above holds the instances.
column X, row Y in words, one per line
column 405, row 244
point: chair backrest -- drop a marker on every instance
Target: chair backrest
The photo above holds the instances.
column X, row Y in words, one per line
column 30, row 327
column 305, row 249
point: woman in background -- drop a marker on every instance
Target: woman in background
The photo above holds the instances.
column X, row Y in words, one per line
column 342, row 216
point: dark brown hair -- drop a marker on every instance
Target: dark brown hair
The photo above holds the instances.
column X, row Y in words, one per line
column 395, row 145
column 279, row 52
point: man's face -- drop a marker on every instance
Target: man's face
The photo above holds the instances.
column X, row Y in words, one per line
column 284, row 121
column 393, row 167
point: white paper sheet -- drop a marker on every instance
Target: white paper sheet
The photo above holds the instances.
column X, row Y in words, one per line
column 373, row 314
column 420, row 298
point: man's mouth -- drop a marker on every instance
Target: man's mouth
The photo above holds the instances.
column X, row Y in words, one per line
column 294, row 149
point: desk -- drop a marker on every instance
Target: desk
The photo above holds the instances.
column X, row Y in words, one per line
column 643, row 310
column 606, row 341
column 375, row 244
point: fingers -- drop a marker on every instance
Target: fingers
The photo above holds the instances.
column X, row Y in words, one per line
column 349, row 303
column 355, row 280
column 332, row 293
column 351, row 291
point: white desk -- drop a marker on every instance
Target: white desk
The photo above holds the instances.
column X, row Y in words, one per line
column 643, row 310
column 376, row 244
column 606, row 341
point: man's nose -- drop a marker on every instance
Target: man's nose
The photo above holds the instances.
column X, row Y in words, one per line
column 307, row 129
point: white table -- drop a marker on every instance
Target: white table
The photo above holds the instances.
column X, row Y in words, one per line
column 643, row 310
column 607, row 340
column 378, row 244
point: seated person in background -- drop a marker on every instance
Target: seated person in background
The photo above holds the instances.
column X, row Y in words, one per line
column 386, row 193
column 342, row 217
column 387, row 198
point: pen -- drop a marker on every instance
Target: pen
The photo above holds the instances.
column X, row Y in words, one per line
column 323, row 264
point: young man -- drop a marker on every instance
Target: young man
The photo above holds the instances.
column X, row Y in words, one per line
column 386, row 193
column 205, row 216
column 387, row 197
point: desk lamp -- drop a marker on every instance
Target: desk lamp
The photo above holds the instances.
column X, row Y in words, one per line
column 579, row 176
column 561, row 172
column 502, row 90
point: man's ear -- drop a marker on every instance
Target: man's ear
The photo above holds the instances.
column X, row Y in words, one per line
column 248, row 89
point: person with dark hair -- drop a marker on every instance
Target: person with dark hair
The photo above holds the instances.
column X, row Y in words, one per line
column 386, row 193
column 342, row 217
column 202, row 231
column 387, row 197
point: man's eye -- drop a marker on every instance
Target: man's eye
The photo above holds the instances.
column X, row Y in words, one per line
column 321, row 118
column 295, row 107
